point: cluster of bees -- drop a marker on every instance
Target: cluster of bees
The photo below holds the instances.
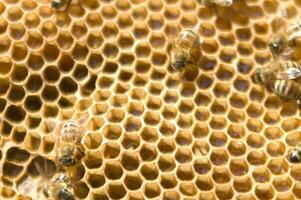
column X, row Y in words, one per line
column 69, row 152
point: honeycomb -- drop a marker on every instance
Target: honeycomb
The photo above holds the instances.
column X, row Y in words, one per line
column 151, row 134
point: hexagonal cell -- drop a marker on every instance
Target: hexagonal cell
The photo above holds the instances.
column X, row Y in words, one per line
column 148, row 152
column 133, row 181
column 168, row 181
column 5, row 43
column 220, row 175
column 92, row 160
column 96, row 180
column 116, row 190
column 31, row 20
column 130, row 161
column 278, row 166
column 149, row 171
column 111, row 150
column 113, row 170
column 11, row 170
column 224, row 191
column 48, row 29
column 264, row 191
column 152, row 190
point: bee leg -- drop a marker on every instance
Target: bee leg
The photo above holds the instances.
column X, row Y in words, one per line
column 79, row 152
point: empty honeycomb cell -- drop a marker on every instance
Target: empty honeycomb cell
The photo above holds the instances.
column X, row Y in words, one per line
column 16, row 31
column 5, row 43
column 297, row 189
column 273, row 102
column 34, row 40
column 204, row 183
column 2, row 105
column 132, row 124
column 47, row 145
column 278, row 166
column 254, row 110
column 158, row 59
column 220, row 175
column 155, row 5
column 166, row 145
column 82, row 190
column 245, row 49
column 11, row 170
column 111, row 150
column 3, row 25
column 171, row 13
column 224, row 191
column 202, row 114
column 148, row 152
column 282, row 183
column 204, row 81
column 5, row 128
column 48, row 29
column 79, row 51
column 210, row 46
column 62, row 20
column 288, row 109
column 155, row 88
column 78, row 29
column 218, row 107
column 152, row 190
column 257, row 94
column 125, row 75
column 109, row 30
column 271, row 118
column 32, row 141
column 183, row 155
column 188, row 189
column 259, row 43
column 92, row 160
column 257, row 157
column 6, row 66
column 218, row 139
column 236, row 148
column 96, row 180
column 200, row 130
column 115, row 115
column 14, row 13
column 130, row 161
column 242, row 184
column 64, row 40
column 218, row 122
column 185, row 121
column 219, row 157
column 19, row 51
column 149, row 171
column 113, row 170
column 149, row 134
column 264, row 191
column 171, row 96
column 16, row 93
column 157, row 40
column 15, row 113
column 35, row 61
column 185, row 172
column 166, row 163
column 239, row 167
column 32, row 122
column 183, row 138
column 255, row 141
column 92, row 140
column 31, row 20
column 95, row 61
column 50, row 52
column 140, row 30
column 202, row 165
column 170, row 195
column 126, row 59
column 110, row 67
column 168, row 181
column 133, row 181
column 290, row 124
column 67, row 85
column 17, row 155
column 33, row 103
column 50, row 93
column 51, row 74
column 155, row 21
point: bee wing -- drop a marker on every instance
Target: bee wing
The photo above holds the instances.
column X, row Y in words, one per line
column 291, row 73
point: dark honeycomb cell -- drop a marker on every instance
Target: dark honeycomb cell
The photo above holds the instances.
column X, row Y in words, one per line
column 15, row 113
column 68, row 86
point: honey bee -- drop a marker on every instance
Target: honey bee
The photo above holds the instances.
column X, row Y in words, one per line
column 287, row 89
column 280, row 69
column 69, row 150
column 295, row 155
column 224, row 3
column 284, row 42
column 185, row 49
column 60, row 4
column 59, row 187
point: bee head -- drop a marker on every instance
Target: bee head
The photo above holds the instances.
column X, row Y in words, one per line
column 65, row 194
column 294, row 157
column 56, row 4
column 66, row 161
column 179, row 61
column 276, row 45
